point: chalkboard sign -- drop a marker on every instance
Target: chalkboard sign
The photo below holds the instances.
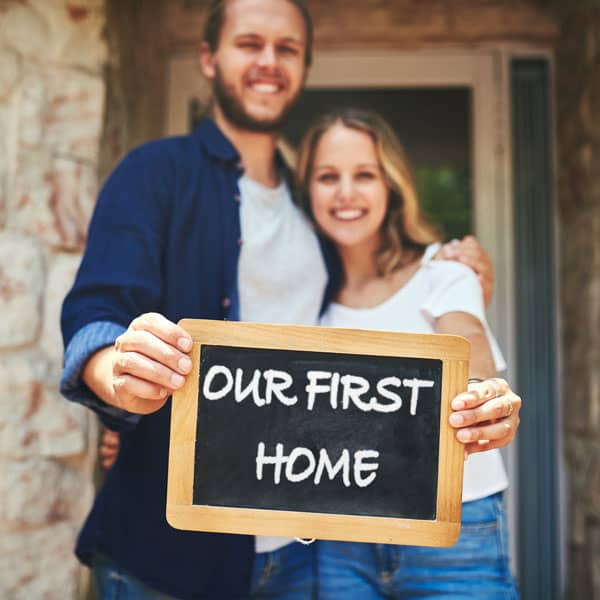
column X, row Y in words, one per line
column 318, row 432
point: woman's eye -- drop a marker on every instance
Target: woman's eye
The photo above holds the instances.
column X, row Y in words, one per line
column 327, row 178
column 365, row 175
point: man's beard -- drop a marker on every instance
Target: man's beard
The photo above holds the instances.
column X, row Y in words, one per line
column 234, row 111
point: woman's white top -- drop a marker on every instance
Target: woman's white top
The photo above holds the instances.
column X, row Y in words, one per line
column 437, row 288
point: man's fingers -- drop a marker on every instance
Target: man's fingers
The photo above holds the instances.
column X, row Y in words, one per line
column 145, row 343
column 162, row 328
column 138, row 395
column 152, row 371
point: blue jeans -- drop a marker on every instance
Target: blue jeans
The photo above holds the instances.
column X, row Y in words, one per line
column 477, row 567
column 286, row 574
column 112, row 583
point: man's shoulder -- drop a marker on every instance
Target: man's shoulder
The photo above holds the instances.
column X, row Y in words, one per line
column 162, row 148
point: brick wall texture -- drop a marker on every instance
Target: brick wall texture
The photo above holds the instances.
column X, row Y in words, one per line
column 51, row 114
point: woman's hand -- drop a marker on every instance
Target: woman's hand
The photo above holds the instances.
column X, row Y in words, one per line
column 109, row 448
column 486, row 416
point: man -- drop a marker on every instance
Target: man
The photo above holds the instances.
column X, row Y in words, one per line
column 199, row 226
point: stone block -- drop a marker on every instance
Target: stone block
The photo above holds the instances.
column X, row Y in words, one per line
column 61, row 110
column 10, row 71
column 74, row 114
column 36, row 420
column 62, row 268
column 76, row 31
column 501, row 19
column 24, row 29
column 5, row 146
column 32, row 103
column 40, row 564
column 53, row 199
column 21, row 285
column 65, row 32
column 38, row 492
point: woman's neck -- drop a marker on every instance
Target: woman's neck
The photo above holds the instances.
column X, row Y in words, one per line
column 359, row 266
column 363, row 285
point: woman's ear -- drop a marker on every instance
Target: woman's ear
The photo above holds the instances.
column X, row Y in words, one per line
column 207, row 61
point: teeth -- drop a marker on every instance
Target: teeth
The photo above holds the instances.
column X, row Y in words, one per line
column 348, row 214
column 265, row 88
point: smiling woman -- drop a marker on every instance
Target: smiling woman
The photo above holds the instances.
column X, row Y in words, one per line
column 356, row 185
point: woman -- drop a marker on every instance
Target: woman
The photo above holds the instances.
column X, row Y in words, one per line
column 356, row 185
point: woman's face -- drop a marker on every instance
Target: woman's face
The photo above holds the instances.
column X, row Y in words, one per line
column 348, row 192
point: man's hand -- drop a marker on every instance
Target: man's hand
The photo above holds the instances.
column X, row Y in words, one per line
column 486, row 416
column 470, row 252
column 147, row 363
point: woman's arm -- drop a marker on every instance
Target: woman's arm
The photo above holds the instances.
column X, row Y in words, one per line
column 487, row 415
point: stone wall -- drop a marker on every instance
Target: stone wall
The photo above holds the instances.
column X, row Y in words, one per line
column 51, row 114
column 578, row 115
column 394, row 23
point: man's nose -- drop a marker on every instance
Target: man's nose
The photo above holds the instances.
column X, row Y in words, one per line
column 268, row 56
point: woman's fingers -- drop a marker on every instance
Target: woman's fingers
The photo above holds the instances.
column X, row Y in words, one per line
column 109, row 448
column 479, row 393
column 487, row 416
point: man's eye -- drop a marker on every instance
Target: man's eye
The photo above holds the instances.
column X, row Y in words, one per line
column 249, row 45
column 290, row 50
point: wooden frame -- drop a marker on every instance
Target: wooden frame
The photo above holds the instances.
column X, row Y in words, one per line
column 181, row 513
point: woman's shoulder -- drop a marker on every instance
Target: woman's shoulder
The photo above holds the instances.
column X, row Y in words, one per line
column 441, row 269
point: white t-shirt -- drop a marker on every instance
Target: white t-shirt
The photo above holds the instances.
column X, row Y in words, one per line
column 437, row 288
column 281, row 272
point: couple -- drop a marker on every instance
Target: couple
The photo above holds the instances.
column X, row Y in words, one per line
column 204, row 226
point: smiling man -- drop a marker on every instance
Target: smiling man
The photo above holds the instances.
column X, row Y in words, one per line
column 199, row 226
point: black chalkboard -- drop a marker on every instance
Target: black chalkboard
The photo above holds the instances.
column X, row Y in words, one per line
column 405, row 483
column 318, row 432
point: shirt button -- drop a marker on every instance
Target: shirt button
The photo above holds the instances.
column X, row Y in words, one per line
column 240, row 166
column 237, row 198
column 240, row 242
column 226, row 302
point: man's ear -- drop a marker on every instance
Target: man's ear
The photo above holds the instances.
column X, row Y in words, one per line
column 207, row 61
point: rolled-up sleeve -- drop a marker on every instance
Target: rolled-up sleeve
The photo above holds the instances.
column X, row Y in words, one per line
column 83, row 345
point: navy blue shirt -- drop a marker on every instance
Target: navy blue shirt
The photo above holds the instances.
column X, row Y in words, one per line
column 163, row 238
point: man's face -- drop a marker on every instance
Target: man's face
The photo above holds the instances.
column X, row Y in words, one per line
column 258, row 68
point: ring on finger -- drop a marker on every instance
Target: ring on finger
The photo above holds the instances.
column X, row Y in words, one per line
column 495, row 386
column 509, row 407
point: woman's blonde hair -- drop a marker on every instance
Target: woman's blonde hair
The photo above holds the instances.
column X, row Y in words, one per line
column 404, row 226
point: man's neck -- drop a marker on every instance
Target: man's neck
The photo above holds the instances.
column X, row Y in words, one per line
column 256, row 149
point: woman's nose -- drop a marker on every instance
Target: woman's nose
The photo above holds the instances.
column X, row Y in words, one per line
column 345, row 188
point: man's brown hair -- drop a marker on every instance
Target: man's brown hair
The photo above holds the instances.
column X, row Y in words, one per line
column 216, row 20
